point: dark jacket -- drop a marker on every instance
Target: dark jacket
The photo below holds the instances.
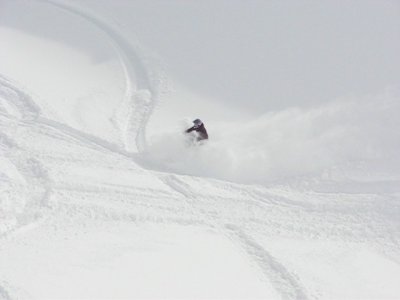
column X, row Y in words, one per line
column 201, row 130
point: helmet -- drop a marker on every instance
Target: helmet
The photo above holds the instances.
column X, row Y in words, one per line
column 197, row 123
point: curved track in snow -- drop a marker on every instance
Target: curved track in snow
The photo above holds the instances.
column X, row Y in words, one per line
column 81, row 177
column 19, row 102
column 199, row 209
column 24, row 180
column 35, row 186
column 61, row 169
column 142, row 86
column 281, row 279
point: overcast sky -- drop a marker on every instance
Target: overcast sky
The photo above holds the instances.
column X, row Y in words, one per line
column 277, row 52
column 260, row 55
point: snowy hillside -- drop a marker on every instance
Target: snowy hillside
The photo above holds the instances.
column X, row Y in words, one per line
column 295, row 195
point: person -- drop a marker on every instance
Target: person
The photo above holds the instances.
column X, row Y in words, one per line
column 198, row 127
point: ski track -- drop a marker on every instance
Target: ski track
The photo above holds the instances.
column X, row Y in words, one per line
column 236, row 210
column 232, row 210
column 31, row 170
column 26, row 107
column 18, row 99
column 59, row 131
column 282, row 280
column 142, row 84
column 17, row 106
column 184, row 212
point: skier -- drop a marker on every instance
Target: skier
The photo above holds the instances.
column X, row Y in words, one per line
column 201, row 132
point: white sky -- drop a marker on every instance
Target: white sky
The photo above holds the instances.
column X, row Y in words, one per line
column 257, row 55
column 271, row 54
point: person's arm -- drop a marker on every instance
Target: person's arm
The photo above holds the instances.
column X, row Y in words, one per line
column 190, row 129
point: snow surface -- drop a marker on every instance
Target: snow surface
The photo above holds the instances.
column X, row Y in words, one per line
column 291, row 198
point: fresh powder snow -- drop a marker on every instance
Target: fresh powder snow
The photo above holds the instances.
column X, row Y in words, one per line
column 294, row 196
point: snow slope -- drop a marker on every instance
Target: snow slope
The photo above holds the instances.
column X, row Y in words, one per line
column 101, row 199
